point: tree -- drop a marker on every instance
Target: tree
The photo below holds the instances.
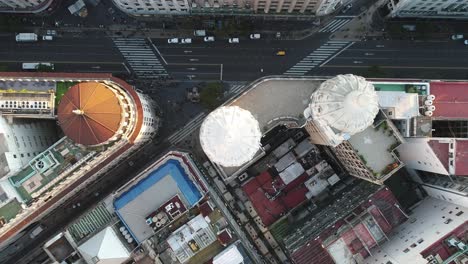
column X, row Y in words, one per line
column 211, row 95
column 45, row 68
column 375, row 72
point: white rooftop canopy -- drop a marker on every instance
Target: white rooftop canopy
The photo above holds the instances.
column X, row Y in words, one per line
column 230, row 136
column 347, row 103
column 230, row 255
column 104, row 248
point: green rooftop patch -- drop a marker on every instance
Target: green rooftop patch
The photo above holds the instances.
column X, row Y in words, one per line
column 61, row 89
column 10, row 210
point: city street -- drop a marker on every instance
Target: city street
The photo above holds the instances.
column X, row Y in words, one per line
column 69, row 54
column 247, row 60
column 402, row 58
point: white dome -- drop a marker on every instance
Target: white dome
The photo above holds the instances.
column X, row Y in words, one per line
column 347, row 103
column 230, row 136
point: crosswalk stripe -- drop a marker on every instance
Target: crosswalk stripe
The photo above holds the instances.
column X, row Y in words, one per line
column 317, row 57
column 140, row 57
column 335, row 24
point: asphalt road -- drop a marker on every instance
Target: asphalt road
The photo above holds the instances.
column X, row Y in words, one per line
column 68, row 53
column 403, row 58
column 245, row 61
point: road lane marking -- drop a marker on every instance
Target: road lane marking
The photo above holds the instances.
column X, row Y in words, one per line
column 349, row 45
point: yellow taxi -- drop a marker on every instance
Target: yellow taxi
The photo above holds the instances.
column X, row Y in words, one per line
column 281, row 53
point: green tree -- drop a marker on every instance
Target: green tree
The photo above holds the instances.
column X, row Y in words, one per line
column 45, row 68
column 375, row 72
column 211, row 95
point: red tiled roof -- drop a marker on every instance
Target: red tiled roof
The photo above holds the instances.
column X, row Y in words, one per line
column 461, row 157
column 224, row 237
column 451, row 99
column 441, row 150
column 312, row 253
column 205, row 209
column 89, row 113
column 270, row 210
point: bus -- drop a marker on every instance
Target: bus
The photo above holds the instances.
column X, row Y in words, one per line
column 34, row 66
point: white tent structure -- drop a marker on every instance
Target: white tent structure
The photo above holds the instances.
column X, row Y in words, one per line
column 347, row 103
column 104, row 248
column 230, row 136
column 231, row 255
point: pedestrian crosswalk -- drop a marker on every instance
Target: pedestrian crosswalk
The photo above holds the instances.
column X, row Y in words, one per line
column 186, row 130
column 140, row 57
column 237, row 88
column 336, row 24
column 319, row 56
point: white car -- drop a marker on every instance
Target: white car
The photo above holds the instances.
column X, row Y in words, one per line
column 466, row 41
column 173, row 40
column 209, row 39
column 457, row 37
column 234, row 40
column 186, row 41
column 51, row 32
column 47, row 38
column 255, row 36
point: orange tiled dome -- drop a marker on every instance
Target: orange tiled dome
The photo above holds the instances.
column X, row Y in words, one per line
column 89, row 113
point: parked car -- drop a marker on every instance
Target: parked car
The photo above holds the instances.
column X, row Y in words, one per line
column 47, row 38
column 466, row 41
column 457, row 36
column 51, row 32
column 186, row 41
column 255, row 36
column 209, row 39
column 173, row 40
column 234, row 40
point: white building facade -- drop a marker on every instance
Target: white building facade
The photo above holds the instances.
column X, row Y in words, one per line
column 24, row 6
column 429, row 8
column 180, row 7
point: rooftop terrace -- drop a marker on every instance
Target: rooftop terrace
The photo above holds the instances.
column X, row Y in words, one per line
column 374, row 146
column 44, row 170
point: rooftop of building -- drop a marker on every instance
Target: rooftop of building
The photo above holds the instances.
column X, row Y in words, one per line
column 375, row 145
column 430, row 221
column 171, row 175
column 461, row 157
column 261, row 188
column 59, row 247
column 90, row 113
column 308, row 243
column 451, row 99
column 44, row 170
column 441, row 149
column 269, row 100
column 399, row 105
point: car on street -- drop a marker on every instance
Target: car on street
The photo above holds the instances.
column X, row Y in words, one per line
column 281, row 53
column 209, row 39
column 457, row 36
column 51, row 32
column 186, row 41
column 173, row 40
column 465, row 42
column 357, row 62
column 233, row 40
column 346, row 8
column 255, row 36
column 47, row 38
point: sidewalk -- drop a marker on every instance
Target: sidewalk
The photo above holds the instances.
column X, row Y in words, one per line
column 361, row 26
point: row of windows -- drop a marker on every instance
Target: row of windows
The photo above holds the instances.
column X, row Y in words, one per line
column 22, row 155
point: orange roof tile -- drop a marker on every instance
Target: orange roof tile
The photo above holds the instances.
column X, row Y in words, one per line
column 89, row 113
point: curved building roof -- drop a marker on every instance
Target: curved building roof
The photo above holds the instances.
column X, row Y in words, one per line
column 230, row 136
column 89, row 113
column 347, row 103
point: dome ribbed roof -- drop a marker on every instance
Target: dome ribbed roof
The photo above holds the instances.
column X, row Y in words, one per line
column 89, row 113
column 230, row 136
column 347, row 103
